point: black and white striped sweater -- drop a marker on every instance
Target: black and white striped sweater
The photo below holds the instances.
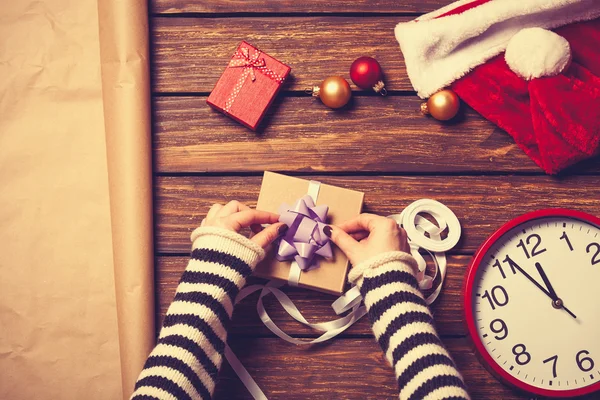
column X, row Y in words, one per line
column 189, row 353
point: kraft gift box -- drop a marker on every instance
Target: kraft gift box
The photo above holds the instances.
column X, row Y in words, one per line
column 344, row 204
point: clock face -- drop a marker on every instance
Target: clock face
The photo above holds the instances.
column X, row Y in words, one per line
column 532, row 301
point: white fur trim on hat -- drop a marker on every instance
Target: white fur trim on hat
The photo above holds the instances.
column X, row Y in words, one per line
column 438, row 51
column 536, row 52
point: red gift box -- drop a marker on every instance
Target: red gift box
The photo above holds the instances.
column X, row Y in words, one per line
column 248, row 86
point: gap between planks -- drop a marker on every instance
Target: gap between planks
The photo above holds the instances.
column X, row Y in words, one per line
column 295, row 7
column 200, row 15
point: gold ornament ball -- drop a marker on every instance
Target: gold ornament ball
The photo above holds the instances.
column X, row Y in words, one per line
column 335, row 92
column 442, row 105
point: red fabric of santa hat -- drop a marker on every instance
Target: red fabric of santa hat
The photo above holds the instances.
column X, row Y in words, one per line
column 542, row 87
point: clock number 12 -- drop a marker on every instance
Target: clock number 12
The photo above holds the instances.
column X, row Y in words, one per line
column 534, row 251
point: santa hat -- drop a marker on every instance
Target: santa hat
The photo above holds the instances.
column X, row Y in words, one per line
column 542, row 87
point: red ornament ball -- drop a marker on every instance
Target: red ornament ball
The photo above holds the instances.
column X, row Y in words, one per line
column 366, row 73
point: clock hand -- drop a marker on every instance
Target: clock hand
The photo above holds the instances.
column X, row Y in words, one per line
column 556, row 301
column 546, row 292
column 542, row 273
column 522, row 271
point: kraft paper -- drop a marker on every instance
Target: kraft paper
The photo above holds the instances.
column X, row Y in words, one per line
column 59, row 333
column 58, row 326
column 126, row 92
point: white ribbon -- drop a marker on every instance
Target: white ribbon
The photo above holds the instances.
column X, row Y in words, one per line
column 351, row 300
column 417, row 229
column 295, row 271
column 243, row 374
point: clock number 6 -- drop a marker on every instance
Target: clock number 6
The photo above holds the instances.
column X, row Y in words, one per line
column 520, row 351
column 555, row 359
column 589, row 362
column 493, row 298
column 534, row 250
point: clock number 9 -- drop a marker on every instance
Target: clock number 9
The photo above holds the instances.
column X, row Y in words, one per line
column 589, row 362
column 493, row 298
column 534, row 250
column 503, row 328
column 520, row 351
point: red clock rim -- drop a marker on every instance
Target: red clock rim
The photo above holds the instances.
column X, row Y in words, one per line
column 468, row 302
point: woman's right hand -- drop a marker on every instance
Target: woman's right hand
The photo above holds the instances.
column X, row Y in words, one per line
column 368, row 235
column 235, row 216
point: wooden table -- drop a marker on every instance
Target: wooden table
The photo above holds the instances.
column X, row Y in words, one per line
column 381, row 146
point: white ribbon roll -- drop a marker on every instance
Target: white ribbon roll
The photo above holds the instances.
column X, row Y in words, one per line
column 422, row 234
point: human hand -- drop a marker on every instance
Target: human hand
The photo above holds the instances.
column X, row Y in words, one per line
column 368, row 235
column 235, row 216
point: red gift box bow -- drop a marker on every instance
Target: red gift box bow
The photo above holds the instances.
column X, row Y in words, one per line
column 243, row 59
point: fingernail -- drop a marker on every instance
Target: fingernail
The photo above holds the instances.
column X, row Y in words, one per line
column 282, row 229
column 327, row 230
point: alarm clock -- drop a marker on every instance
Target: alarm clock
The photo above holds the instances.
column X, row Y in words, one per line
column 532, row 303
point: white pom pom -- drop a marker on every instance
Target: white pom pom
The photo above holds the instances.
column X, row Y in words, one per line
column 536, row 52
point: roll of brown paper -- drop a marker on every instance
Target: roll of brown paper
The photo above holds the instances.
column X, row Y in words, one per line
column 58, row 325
column 126, row 93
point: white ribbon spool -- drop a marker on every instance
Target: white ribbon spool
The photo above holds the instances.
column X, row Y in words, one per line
column 416, row 228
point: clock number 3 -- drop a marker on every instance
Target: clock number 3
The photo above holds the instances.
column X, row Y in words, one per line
column 555, row 360
column 522, row 357
column 534, row 237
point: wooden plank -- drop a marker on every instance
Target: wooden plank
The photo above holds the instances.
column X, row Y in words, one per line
column 340, row 369
column 315, row 306
column 482, row 203
column 294, row 6
column 299, row 134
column 191, row 53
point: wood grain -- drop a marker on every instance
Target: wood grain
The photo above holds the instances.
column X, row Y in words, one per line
column 294, row 6
column 482, row 204
column 315, row 306
column 191, row 53
column 299, row 134
column 349, row 148
column 340, row 369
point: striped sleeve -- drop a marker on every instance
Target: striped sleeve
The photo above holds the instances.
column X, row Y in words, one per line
column 186, row 360
column 403, row 325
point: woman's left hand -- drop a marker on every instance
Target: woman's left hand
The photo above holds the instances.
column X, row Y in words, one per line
column 235, row 216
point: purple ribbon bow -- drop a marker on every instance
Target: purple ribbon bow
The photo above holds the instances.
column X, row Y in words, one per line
column 305, row 237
